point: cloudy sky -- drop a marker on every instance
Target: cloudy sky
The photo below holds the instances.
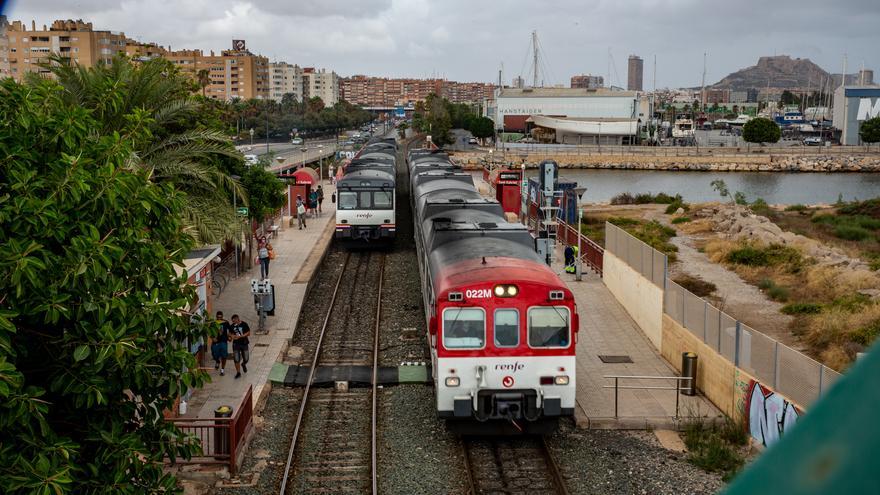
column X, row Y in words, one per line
column 470, row 40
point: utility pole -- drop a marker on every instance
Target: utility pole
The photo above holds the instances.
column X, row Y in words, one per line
column 703, row 85
column 267, row 126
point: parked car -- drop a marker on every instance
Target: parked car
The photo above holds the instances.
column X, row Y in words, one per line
column 296, row 140
column 251, row 159
column 473, row 140
column 813, row 141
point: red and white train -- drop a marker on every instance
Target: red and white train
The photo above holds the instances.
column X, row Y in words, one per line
column 502, row 326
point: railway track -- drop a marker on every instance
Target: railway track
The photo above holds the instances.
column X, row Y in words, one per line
column 521, row 465
column 333, row 447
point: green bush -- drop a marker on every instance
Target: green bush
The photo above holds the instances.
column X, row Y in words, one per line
column 778, row 293
column 713, row 447
column 760, row 206
column 739, row 198
column 765, row 284
column 796, row 207
column 681, row 220
column 623, row 199
column 851, row 232
column 675, row 205
column 802, row 308
column 824, row 218
column 772, row 255
column 851, row 303
column 866, row 335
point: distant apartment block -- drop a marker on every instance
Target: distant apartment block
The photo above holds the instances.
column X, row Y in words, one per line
column 233, row 74
column 286, row 79
column 382, row 92
column 744, row 96
column 586, row 81
column 321, row 84
column 635, row 73
column 4, row 48
column 26, row 49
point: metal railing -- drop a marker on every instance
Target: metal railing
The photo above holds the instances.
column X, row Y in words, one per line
column 791, row 373
column 617, row 387
column 591, row 253
column 221, row 438
column 682, row 151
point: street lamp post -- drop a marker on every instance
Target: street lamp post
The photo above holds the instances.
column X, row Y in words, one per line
column 303, row 150
column 252, row 135
column 579, row 191
column 524, row 193
column 321, row 164
column 237, row 224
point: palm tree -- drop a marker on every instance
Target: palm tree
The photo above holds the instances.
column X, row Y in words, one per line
column 204, row 78
column 181, row 152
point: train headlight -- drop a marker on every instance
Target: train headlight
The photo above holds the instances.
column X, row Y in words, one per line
column 561, row 380
column 454, row 381
column 506, row 290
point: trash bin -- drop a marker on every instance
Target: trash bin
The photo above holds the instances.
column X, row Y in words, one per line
column 221, row 433
column 689, row 370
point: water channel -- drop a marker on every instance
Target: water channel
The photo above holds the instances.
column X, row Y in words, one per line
column 773, row 187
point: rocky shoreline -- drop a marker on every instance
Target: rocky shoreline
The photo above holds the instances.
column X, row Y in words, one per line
column 869, row 163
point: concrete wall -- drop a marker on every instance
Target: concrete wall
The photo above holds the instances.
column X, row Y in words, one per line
column 642, row 299
column 716, row 376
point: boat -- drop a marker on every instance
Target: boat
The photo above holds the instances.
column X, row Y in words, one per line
column 683, row 128
column 790, row 118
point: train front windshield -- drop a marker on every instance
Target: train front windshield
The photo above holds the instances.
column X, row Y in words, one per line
column 366, row 200
column 548, row 326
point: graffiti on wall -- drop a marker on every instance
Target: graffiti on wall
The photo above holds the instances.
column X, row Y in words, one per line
column 768, row 414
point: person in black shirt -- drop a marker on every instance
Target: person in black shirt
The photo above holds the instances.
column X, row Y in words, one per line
column 239, row 333
column 220, row 346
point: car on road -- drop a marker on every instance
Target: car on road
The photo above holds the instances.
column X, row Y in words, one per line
column 296, row 140
column 251, row 159
column 473, row 140
column 813, row 141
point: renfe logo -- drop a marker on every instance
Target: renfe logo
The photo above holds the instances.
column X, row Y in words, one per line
column 507, row 381
column 867, row 110
column 364, row 215
column 514, row 367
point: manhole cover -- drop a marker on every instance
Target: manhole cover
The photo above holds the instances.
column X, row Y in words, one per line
column 615, row 359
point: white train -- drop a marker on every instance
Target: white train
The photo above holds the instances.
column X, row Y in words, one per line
column 366, row 196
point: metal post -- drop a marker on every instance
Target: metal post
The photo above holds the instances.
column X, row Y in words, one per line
column 238, row 230
column 615, row 397
column 736, row 344
column 776, row 365
column 579, row 274
column 677, row 395
column 821, row 377
column 705, row 322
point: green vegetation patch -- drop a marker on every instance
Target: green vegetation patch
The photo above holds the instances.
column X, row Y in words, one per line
column 802, row 308
column 771, row 255
column 681, row 220
column 652, row 233
column 627, row 198
column 714, row 447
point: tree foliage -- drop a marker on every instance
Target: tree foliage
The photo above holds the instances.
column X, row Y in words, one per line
column 93, row 315
column 869, row 130
column 309, row 118
column 265, row 191
column 182, row 144
column 482, row 127
column 761, row 130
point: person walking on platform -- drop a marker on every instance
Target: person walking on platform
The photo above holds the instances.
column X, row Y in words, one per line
column 240, row 332
column 220, row 346
column 313, row 202
column 300, row 212
column 264, row 256
column 320, row 198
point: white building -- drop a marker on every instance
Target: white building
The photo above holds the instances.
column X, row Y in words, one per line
column 852, row 106
column 573, row 115
column 285, row 78
column 320, row 83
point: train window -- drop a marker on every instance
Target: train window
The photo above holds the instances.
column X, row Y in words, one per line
column 382, row 199
column 347, row 200
column 464, row 328
column 364, row 202
column 548, row 326
column 506, row 328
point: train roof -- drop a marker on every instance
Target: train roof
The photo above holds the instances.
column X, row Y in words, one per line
column 420, row 190
column 430, row 158
column 376, row 155
column 366, row 178
column 440, row 201
column 470, row 272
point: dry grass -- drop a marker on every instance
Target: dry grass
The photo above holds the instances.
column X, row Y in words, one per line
column 699, row 226
column 847, row 322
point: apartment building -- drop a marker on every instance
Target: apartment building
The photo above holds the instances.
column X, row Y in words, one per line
column 381, row 92
column 4, row 48
column 75, row 40
column 321, row 84
column 233, row 74
column 285, row 79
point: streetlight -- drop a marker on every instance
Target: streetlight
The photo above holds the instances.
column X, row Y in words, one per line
column 303, row 150
column 578, row 191
column 321, row 164
column 237, row 222
column 524, row 206
column 252, row 135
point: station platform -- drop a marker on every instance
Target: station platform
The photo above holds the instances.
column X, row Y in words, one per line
column 607, row 330
column 298, row 253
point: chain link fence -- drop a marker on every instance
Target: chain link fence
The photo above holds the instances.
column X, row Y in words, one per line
column 635, row 253
column 791, row 373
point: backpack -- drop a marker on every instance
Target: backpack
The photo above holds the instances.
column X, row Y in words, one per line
column 300, row 210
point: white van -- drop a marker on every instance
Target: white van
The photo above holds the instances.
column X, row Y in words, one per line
column 251, row 159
